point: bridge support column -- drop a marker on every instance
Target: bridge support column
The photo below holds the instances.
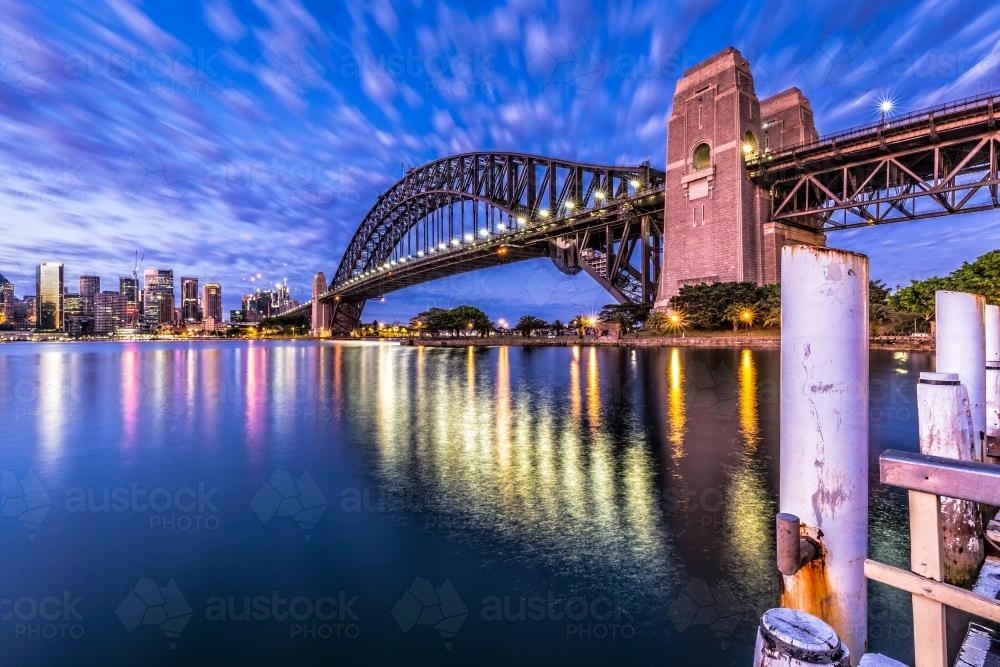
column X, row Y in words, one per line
column 345, row 316
column 320, row 310
column 714, row 215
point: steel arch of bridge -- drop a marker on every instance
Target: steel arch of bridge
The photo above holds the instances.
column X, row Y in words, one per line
column 522, row 186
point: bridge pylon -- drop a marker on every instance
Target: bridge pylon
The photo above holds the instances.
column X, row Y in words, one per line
column 716, row 220
column 321, row 315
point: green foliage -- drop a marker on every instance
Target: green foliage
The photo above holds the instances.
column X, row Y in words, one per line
column 529, row 324
column 470, row 318
column 452, row 320
column 658, row 322
column 626, row 315
column 980, row 277
column 710, row 306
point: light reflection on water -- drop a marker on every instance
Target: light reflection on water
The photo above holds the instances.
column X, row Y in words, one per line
column 649, row 473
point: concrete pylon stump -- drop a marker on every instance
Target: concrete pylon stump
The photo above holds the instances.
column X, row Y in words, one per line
column 945, row 426
column 790, row 638
column 992, row 330
column 824, row 432
column 961, row 348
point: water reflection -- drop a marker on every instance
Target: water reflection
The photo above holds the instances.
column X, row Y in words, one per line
column 526, row 466
column 575, row 470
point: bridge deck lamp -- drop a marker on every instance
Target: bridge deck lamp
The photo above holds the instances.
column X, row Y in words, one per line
column 521, row 220
column 598, row 195
column 468, row 238
column 544, row 213
column 885, row 107
column 569, row 205
column 634, row 183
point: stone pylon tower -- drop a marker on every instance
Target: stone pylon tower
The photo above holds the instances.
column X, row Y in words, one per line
column 716, row 226
column 320, row 311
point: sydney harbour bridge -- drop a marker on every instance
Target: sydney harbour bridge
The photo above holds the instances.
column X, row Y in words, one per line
column 743, row 178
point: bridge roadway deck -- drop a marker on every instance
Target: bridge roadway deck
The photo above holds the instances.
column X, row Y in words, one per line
column 528, row 243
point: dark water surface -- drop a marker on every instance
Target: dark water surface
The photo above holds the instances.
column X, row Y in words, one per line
column 316, row 503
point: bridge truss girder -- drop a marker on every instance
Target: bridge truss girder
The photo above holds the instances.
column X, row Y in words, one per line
column 496, row 190
column 959, row 176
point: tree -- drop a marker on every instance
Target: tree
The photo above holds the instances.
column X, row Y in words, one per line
column 432, row 320
column 470, row 318
column 658, row 322
column 626, row 315
column 706, row 305
column 580, row 323
column 529, row 324
column 768, row 305
column 558, row 327
column 917, row 299
column 740, row 313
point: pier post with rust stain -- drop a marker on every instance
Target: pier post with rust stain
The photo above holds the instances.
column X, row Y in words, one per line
column 824, row 433
column 946, row 429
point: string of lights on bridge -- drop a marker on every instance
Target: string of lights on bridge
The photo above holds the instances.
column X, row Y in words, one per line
column 469, row 239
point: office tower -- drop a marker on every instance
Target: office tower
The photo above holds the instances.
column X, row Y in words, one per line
column 6, row 300
column 90, row 286
column 157, row 298
column 75, row 318
column 128, row 287
column 211, row 303
column 189, row 301
column 49, row 297
column 110, row 312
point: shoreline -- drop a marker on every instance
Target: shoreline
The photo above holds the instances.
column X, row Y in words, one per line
column 898, row 344
column 742, row 341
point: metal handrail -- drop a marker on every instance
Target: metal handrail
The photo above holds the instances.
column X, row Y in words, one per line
column 897, row 122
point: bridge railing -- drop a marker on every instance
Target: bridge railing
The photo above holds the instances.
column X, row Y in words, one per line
column 896, row 122
column 927, row 479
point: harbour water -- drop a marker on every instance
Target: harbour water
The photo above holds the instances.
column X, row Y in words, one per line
column 296, row 502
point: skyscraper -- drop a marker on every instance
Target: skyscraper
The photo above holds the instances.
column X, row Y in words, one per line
column 90, row 286
column 49, row 297
column 157, row 298
column 128, row 287
column 211, row 303
column 110, row 312
column 189, row 300
column 6, row 300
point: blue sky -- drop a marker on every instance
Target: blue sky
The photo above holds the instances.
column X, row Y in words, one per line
column 230, row 139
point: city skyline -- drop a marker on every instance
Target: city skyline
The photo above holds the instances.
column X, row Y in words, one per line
column 251, row 140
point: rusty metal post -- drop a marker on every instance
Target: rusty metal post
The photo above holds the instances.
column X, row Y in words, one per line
column 945, row 427
column 992, row 372
column 961, row 348
column 790, row 638
column 824, row 432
